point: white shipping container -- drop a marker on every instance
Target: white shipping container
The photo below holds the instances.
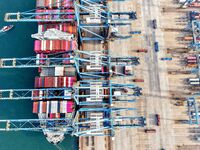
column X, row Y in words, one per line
column 64, row 107
column 51, row 45
column 59, row 71
column 48, row 111
column 37, row 61
column 64, row 83
column 40, row 28
column 56, row 82
column 194, row 83
column 182, row 1
column 40, row 3
column 54, row 106
column 93, row 20
column 50, row 3
column 194, row 80
column 40, row 94
column 59, row 3
column 40, row 106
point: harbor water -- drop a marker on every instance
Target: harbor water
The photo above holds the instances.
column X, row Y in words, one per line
column 18, row 43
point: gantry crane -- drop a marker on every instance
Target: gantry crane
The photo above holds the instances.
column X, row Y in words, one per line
column 193, row 110
column 195, row 28
column 104, row 92
column 94, row 20
column 87, row 122
column 104, row 121
column 36, row 94
column 87, row 92
column 89, row 64
column 187, row 3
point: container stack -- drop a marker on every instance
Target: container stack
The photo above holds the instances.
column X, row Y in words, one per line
column 191, row 61
column 54, row 4
column 54, row 82
column 60, row 77
column 194, row 81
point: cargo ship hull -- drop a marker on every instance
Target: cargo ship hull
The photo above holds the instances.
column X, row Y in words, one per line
column 45, row 46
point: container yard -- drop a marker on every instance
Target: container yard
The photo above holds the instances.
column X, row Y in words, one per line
column 114, row 74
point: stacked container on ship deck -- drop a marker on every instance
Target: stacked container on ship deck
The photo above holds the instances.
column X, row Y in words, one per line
column 54, row 4
column 54, row 14
column 54, row 108
column 65, row 27
column 54, row 46
column 54, row 82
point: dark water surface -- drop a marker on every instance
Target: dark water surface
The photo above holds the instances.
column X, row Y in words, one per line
column 18, row 43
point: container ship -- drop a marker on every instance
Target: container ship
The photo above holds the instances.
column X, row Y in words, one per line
column 52, row 39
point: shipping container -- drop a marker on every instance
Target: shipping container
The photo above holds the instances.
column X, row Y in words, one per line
column 188, row 38
column 150, row 130
column 142, row 50
column 191, row 57
column 194, row 83
column 194, row 80
column 138, row 80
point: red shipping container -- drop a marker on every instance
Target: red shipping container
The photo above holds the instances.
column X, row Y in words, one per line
column 52, row 116
column 37, row 45
column 38, row 16
column 52, row 82
column 60, row 83
column 36, row 82
column 69, row 106
column 35, row 107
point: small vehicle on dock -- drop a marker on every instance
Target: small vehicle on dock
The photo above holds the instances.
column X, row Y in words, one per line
column 157, row 119
column 166, row 58
column 142, row 50
column 138, row 80
column 150, row 130
column 156, row 47
column 154, row 22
